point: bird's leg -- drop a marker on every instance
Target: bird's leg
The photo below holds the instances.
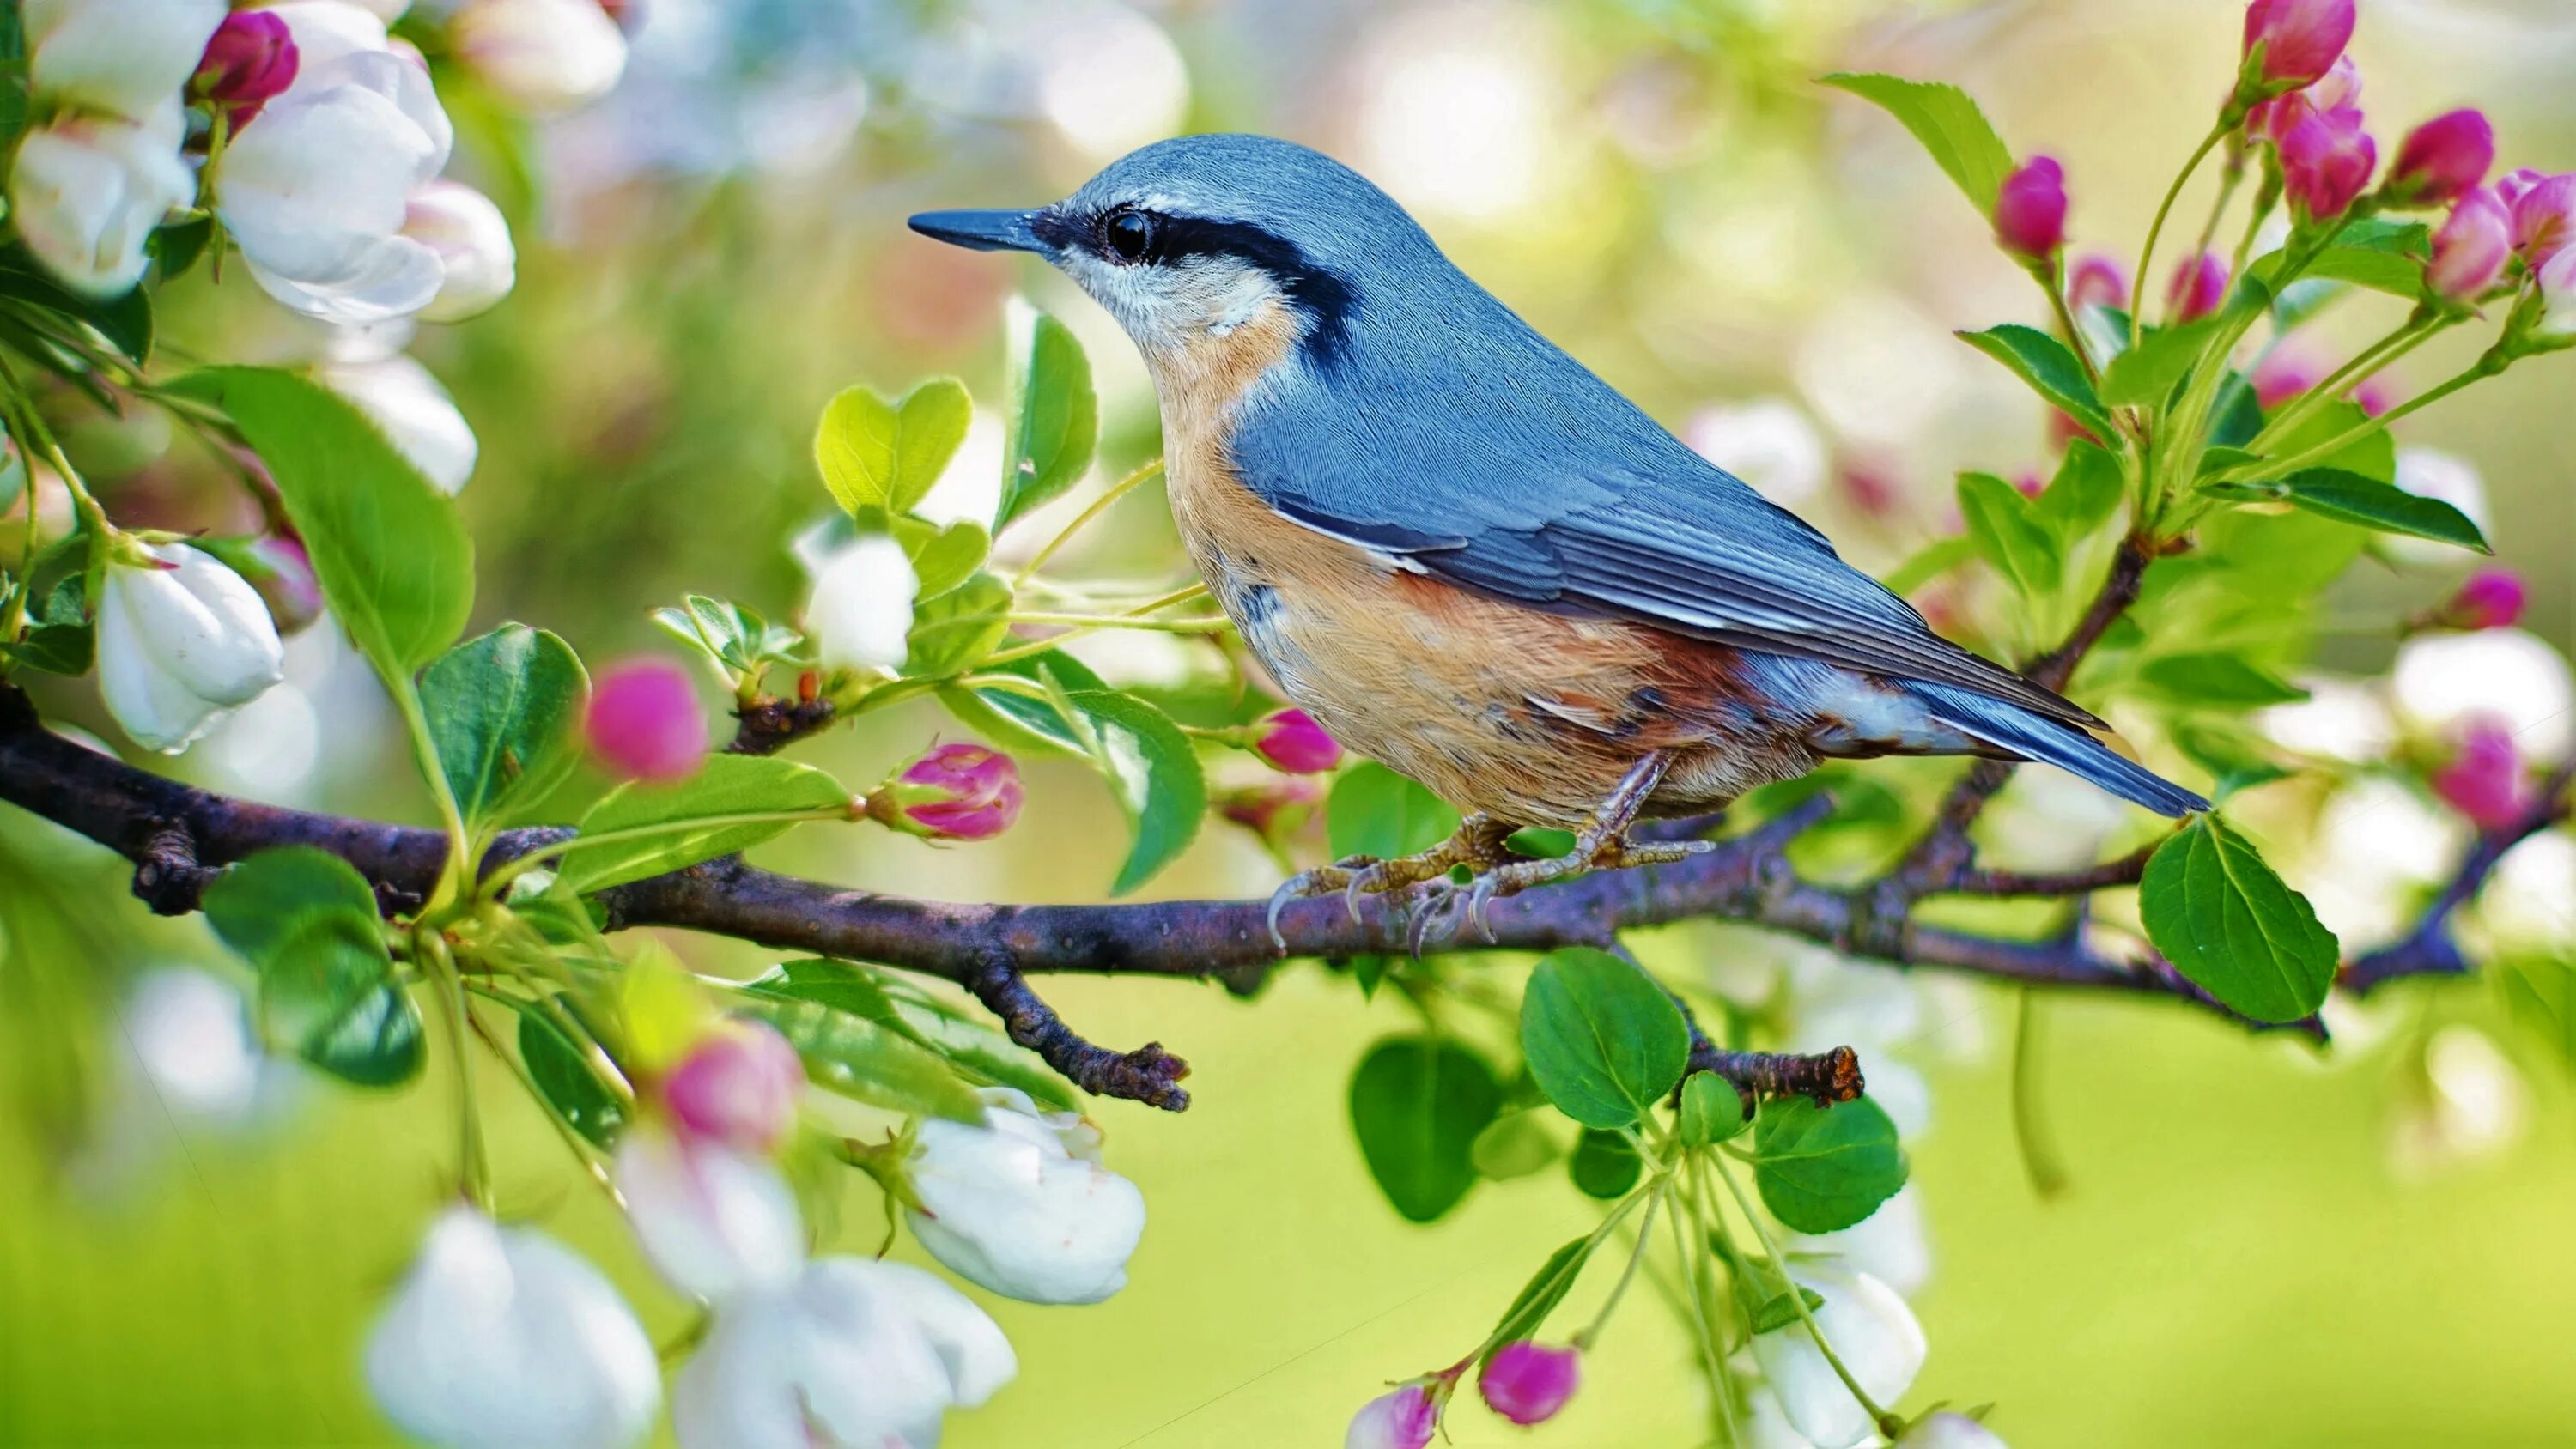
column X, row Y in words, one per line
column 1602, row 844
column 1477, row 845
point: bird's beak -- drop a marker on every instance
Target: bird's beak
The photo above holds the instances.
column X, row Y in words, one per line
column 985, row 231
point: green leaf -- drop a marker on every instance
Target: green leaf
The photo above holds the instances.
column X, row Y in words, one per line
column 570, row 1091
column 2385, row 256
column 125, row 320
column 1930, row 562
column 176, row 247
column 1712, row 1110
column 2043, row 362
column 1055, row 418
column 501, row 714
column 1949, row 125
column 1015, row 720
column 59, row 639
column 1602, row 1039
column 687, row 821
column 1539, row 1296
column 391, row 554
column 1152, row 771
column 734, row 635
column 2008, row 534
column 2352, row 498
column 1822, row 1169
column 1417, row 1104
column 942, row 558
column 874, row 453
column 1372, row 810
column 2373, row 457
column 2146, row 375
column 2082, row 497
column 1514, row 1144
column 2236, row 762
column 1603, row 1165
column 1779, row 1311
column 306, row 920
column 866, row 1060
column 952, row 633
column 2216, row 681
column 2221, row 916
column 982, row 1053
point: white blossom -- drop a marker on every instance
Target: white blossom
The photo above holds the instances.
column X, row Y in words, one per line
column 500, row 1338
column 1890, row 1244
column 715, row 1222
column 542, row 56
column 123, row 58
column 2441, row 682
column 86, row 192
column 415, row 411
column 2429, row 473
column 2341, row 718
column 1022, row 1204
column 1767, row 442
column 2529, row 903
column 478, row 264
column 180, row 640
column 1947, row 1430
column 861, row 611
column 1872, row 1332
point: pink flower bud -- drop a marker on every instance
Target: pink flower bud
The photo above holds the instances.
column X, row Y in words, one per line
column 2326, row 160
column 2374, row 394
column 738, row 1087
column 2301, row 39
column 2197, row 286
column 957, row 792
column 1403, row 1419
column 2544, row 213
column 2491, row 599
column 1291, row 740
column 250, row 59
column 2442, row 159
column 2030, row 210
column 2470, row 249
column 2339, row 87
column 2096, row 281
column 2486, row 781
column 1272, row 810
column 2029, row 484
column 644, row 721
column 1527, row 1383
column 2284, row 373
column 278, row 567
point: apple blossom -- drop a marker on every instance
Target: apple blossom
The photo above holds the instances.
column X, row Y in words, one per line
column 1528, row 1382
column 86, row 192
column 2197, row 286
column 1872, row 1332
column 2441, row 683
column 2283, row 373
column 2470, row 249
column 415, row 412
column 1022, row 1205
column 2442, row 160
column 542, row 56
column 2492, row 598
column 478, row 264
column 2096, row 281
column 2544, row 213
column 2557, row 283
column 861, row 611
column 1291, row 740
column 501, row 1337
column 2486, row 781
column 644, row 722
column 738, row 1087
column 1402, row 1419
column 2340, row 86
column 1948, row 1430
column 250, row 61
column 120, row 58
column 2301, row 39
column 714, row 1221
column 2326, row 161
column 956, row 791
column 181, row 640
column 2030, row 210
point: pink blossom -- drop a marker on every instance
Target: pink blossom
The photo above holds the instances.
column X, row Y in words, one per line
column 2493, row 598
column 2469, row 250
column 2030, row 210
column 1403, row 1419
column 2486, row 781
column 1273, row 809
column 739, row 1086
column 2096, row 281
column 2284, row 373
column 2198, row 285
column 1527, row 1383
column 2326, row 161
column 1291, row 740
column 644, row 721
column 2544, row 213
column 2442, row 159
column 955, row 792
column 2339, row 87
column 2301, row 39
column 249, row 61
column 2374, row 394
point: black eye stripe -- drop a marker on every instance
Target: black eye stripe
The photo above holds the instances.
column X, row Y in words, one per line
column 1323, row 293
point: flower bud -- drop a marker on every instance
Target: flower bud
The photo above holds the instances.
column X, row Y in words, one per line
column 1021, row 1203
column 738, row 1087
column 277, row 566
column 250, row 60
column 644, row 722
column 2442, row 159
column 1273, row 810
column 1948, row 1430
column 181, row 640
column 1403, row 1419
column 542, row 56
column 2375, row 394
column 501, row 1337
column 2492, row 598
column 2284, row 373
column 2197, row 286
column 2486, row 781
column 2096, row 281
column 2339, row 87
column 2030, row 210
column 1527, row 1383
column 861, row 612
column 2544, row 214
column 1291, row 740
column 478, row 263
column 2557, row 283
column 955, row 792
column 2470, row 249
column 2326, row 161
column 2301, row 39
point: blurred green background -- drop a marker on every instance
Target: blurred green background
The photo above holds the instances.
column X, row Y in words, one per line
column 2260, row 1245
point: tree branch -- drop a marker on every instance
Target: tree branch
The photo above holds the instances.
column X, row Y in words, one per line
column 2428, row 949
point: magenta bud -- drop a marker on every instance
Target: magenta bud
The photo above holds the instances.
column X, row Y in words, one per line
column 2442, row 159
column 250, row 59
column 2544, row 213
column 2326, row 161
column 2196, row 288
column 2282, row 374
column 2096, row 281
column 2492, row 598
column 644, row 722
column 1403, row 1419
column 955, row 792
column 1291, row 740
column 738, row 1087
column 1527, row 1383
column 1271, row 810
column 2470, row 249
column 2301, row 39
column 2030, row 210
column 276, row 565
column 2485, row 781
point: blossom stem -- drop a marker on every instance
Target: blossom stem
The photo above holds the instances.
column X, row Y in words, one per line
column 1040, row 646
column 499, row 880
column 1584, row 1337
column 2228, row 181
column 2490, row 363
column 1084, row 519
column 1798, row 1300
column 452, row 881
column 2155, row 229
column 1106, row 621
column 1699, row 1290
column 2411, row 334
column 448, row 984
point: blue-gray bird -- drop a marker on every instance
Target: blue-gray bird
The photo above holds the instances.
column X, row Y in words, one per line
column 1471, row 559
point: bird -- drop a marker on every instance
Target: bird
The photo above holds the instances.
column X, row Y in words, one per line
column 1471, row 559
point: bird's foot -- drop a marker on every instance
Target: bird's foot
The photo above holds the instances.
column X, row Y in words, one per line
column 1461, row 906
column 1477, row 845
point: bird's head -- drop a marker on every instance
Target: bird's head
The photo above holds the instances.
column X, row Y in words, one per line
column 1202, row 244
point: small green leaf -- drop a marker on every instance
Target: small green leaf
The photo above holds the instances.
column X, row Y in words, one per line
column 2146, row 375
column 501, row 712
column 2352, row 498
column 1712, row 1110
column 306, row 920
column 2236, row 762
column 1930, row 562
column 2221, row 916
column 686, row 822
column 1151, row 770
column 2043, row 362
column 1603, row 1165
column 176, row 247
column 1539, row 1296
column 59, row 639
column 1602, row 1039
column 1949, row 125
column 389, row 549
column 125, row 320
column 2008, row 534
column 1015, row 720
column 1372, row 810
column 566, row 1083
column 866, row 1060
column 874, row 453
column 952, row 633
column 2385, row 256
column 1055, row 417
column 1822, row 1169
column 1417, row 1104
column 1514, row 1144
column 942, row 558
column 2373, row 457
column 1779, row 1311
column 2215, row 681
column 982, row 1053
column 2082, row 497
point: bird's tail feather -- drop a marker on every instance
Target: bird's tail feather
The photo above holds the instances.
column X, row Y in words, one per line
column 2010, row 727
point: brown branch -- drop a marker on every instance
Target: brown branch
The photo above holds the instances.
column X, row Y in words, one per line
column 768, row 724
column 2128, row 870
column 1148, row 1074
column 1827, row 1078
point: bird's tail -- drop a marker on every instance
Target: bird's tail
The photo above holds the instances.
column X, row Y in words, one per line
column 2010, row 727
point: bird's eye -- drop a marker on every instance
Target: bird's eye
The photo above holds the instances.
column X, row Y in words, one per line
column 1128, row 235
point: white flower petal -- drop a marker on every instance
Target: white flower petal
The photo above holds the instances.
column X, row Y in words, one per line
column 861, row 611
column 1007, row 1206
column 544, row 56
column 477, row 262
column 177, row 645
column 416, row 413
column 128, row 58
column 2441, row 682
column 714, row 1222
column 86, row 193
column 1872, row 1332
